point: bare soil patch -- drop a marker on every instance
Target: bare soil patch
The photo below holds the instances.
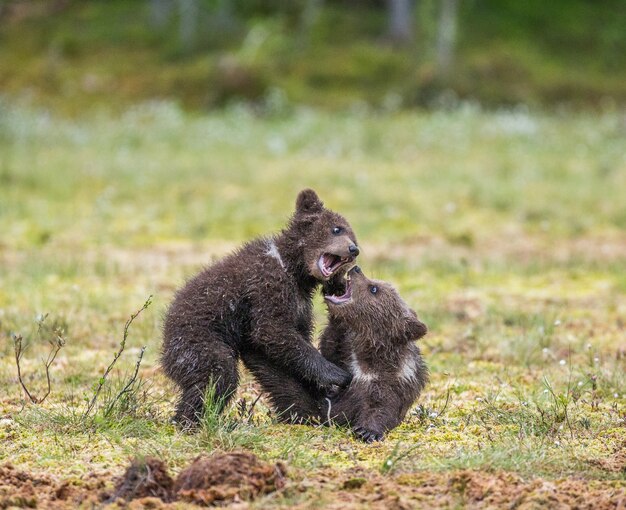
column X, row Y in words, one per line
column 234, row 479
column 616, row 461
column 463, row 489
column 485, row 490
column 27, row 490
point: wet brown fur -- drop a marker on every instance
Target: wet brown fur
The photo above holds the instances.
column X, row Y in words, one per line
column 256, row 302
column 373, row 337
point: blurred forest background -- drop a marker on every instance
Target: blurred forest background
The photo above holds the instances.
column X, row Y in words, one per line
column 388, row 54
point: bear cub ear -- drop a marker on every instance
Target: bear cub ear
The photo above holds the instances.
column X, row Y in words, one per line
column 308, row 202
column 414, row 328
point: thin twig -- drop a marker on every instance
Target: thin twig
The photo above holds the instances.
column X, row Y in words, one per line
column 19, row 352
column 129, row 385
column 116, row 356
column 569, row 391
column 51, row 357
column 251, row 409
column 445, row 405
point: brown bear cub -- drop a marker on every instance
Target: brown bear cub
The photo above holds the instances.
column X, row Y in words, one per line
column 371, row 333
column 257, row 302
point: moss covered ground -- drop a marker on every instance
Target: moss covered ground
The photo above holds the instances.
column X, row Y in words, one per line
column 504, row 230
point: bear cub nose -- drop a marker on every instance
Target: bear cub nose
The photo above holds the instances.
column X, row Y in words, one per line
column 354, row 250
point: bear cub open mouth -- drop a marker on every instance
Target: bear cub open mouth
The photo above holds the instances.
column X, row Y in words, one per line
column 339, row 292
column 329, row 263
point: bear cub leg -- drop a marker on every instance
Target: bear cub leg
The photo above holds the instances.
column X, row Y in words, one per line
column 193, row 400
column 209, row 371
column 293, row 400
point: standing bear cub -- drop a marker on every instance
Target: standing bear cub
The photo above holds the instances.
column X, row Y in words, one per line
column 371, row 333
column 257, row 302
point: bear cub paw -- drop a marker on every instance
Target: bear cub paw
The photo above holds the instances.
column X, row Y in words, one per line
column 332, row 375
column 366, row 435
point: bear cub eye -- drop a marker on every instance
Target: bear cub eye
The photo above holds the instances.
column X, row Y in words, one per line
column 373, row 289
column 337, row 230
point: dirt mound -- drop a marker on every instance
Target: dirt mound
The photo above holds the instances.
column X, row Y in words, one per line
column 26, row 490
column 229, row 476
column 207, row 480
column 145, row 478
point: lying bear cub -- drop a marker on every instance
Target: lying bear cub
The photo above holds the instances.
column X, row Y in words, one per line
column 371, row 334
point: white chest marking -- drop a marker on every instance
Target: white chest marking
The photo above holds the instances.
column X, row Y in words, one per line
column 358, row 373
column 272, row 251
column 408, row 369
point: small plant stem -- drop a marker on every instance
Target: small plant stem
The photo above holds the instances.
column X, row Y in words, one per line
column 17, row 339
column 116, row 356
column 129, row 385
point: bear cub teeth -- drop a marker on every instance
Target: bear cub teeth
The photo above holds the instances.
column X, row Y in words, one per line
column 329, row 263
column 345, row 286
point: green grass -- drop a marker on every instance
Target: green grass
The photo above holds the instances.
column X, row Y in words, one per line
column 504, row 230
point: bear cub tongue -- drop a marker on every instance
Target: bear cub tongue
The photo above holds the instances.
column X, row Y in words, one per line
column 329, row 263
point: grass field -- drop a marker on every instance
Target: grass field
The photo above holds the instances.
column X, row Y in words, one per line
column 504, row 230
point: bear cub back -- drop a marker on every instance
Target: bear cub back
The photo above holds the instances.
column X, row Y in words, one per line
column 371, row 333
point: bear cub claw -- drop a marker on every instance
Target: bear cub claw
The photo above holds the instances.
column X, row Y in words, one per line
column 333, row 376
column 367, row 436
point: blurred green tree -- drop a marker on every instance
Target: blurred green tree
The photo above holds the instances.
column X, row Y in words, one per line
column 160, row 12
column 188, row 12
column 446, row 37
column 401, row 26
